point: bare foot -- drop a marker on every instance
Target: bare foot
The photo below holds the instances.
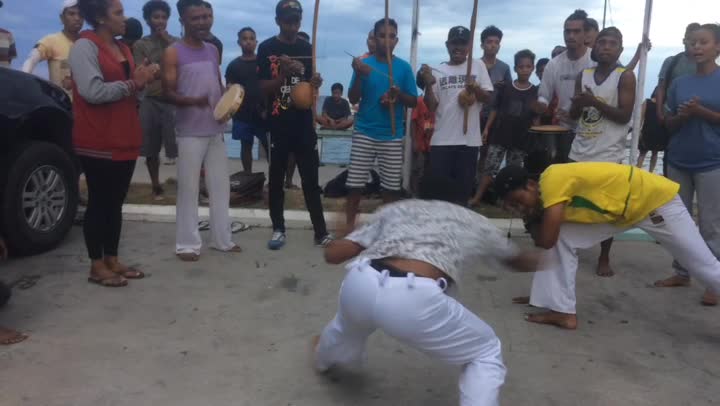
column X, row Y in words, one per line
column 523, row 300
column 313, row 355
column 709, row 299
column 673, row 281
column 603, row 269
column 10, row 337
column 562, row 320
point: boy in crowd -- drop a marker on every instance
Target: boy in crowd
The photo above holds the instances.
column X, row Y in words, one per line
column 285, row 60
column 336, row 114
column 511, row 118
column 55, row 48
column 210, row 38
column 422, row 129
column 557, row 51
column 603, row 103
column 157, row 116
column 592, row 28
column 373, row 137
column 247, row 122
column 133, row 32
column 577, row 205
column 453, row 154
column 540, row 67
column 191, row 81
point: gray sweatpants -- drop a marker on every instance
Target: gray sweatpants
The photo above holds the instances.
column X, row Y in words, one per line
column 706, row 186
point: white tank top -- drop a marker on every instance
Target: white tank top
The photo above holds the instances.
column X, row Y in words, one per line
column 597, row 138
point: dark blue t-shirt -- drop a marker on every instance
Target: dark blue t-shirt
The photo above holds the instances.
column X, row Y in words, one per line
column 695, row 147
column 373, row 119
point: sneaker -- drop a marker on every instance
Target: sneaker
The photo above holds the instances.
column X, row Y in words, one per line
column 323, row 242
column 277, row 241
column 170, row 161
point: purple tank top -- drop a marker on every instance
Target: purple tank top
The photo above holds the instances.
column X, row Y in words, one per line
column 197, row 76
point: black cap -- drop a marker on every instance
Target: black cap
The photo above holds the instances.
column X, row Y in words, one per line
column 459, row 33
column 510, row 178
column 287, row 8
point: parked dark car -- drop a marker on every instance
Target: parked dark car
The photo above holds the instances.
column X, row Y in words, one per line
column 38, row 174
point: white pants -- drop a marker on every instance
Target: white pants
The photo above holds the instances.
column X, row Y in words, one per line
column 417, row 312
column 193, row 153
column 554, row 284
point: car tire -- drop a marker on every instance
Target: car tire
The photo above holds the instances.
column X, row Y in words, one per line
column 32, row 160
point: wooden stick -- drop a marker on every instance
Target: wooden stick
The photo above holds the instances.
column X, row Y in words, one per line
column 371, row 68
column 388, row 55
column 314, row 56
column 473, row 22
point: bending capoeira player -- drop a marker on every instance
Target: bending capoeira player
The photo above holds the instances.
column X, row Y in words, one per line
column 575, row 206
column 405, row 258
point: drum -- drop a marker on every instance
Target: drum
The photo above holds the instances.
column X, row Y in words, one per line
column 229, row 104
column 547, row 145
column 302, row 96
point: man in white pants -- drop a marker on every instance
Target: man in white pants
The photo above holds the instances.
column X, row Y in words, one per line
column 577, row 205
column 191, row 81
column 405, row 259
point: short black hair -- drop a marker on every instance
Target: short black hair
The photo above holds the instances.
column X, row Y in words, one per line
column 509, row 179
column 490, row 31
column 419, row 81
column 243, row 29
column 304, row 35
column 154, row 5
column 133, row 29
column 714, row 28
column 444, row 188
column 692, row 27
column 381, row 23
column 524, row 54
column 541, row 62
column 578, row 15
column 591, row 24
column 93, row 10
column 183, row 5
column 337, row 86
column 611, row 31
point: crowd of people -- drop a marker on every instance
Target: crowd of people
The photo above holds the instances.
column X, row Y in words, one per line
column 134, row 95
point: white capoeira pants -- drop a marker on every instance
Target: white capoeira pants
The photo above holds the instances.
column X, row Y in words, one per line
column 193, row 154
column 417, row 312
column 554, row 284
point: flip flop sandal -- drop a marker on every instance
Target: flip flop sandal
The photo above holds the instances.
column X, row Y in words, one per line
column 204, row 225
column 132, row 273
column 238, row 227
column 116, row 281
column 188, row 257
column 235, row 249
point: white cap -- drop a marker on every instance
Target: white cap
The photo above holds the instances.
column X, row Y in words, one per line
column 69, row 3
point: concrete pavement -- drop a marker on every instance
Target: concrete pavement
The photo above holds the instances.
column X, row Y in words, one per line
column 234, row 330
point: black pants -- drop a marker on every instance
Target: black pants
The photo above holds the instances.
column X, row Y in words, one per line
column 456, row 162
column 306, row 156
column 108, row 182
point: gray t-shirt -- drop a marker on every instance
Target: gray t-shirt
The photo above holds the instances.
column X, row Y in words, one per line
column 500, row 72
column 683, row 67
column 450, row 237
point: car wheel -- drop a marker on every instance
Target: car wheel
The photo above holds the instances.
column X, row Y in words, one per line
column 40, row 198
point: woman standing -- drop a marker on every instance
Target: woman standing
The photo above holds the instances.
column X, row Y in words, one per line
column 693, row 153
column 107, row 133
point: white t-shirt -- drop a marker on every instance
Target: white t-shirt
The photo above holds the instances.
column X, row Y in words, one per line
column 559, row 80
column 598, row 139
column 449, row 114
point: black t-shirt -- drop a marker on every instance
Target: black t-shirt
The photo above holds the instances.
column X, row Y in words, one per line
column 282, row 117
column 218, row 44
column 336, row 110
column 514, row 116
column 245, row 73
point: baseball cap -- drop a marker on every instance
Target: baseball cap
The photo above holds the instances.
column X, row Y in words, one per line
column 288, row 8
column 459, row 33
column 510, row 178
column 69, row 3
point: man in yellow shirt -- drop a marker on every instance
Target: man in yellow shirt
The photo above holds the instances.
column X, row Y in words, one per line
column 575, row 206
column 55, row 48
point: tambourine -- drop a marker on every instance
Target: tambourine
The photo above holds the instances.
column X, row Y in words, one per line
column 302, row 96
column 229, row 103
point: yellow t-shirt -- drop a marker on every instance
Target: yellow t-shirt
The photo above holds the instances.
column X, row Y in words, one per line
column 602, row 192
column 55, row 49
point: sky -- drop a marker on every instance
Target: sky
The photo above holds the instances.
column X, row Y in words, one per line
column 343, row 26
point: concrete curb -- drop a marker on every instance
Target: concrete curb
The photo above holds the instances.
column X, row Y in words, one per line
column 300, row 219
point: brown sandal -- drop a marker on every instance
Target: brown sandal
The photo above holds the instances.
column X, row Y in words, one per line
column 131, row 273
column 115, row 281
column 188, row 257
